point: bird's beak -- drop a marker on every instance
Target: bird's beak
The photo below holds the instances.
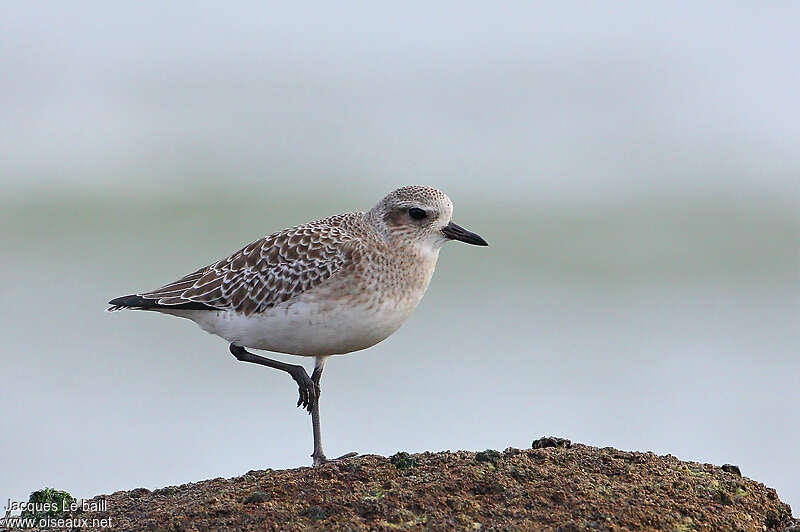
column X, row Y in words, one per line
column 456, row 232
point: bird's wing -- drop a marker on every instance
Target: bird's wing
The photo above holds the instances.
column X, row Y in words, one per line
column 259, row 276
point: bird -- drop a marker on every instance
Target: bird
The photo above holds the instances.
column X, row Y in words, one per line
column 327, row 287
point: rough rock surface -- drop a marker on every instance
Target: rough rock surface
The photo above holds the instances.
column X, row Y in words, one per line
column 558, row 486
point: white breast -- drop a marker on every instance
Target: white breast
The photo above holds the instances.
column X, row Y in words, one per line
column 306, row 327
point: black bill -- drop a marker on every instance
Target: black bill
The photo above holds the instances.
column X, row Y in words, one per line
column 456, row 232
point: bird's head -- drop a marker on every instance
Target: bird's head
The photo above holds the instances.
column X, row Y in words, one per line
column 418, row 215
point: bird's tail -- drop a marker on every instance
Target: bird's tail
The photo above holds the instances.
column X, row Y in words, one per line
column 131, row 302
column 137, row 302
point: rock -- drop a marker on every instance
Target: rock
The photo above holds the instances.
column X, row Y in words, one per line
column 138, row 492
column 489, row 455
column 576, row 489
column 314, row 513
column 730, row 468
column 551, row 441
column 256, row 497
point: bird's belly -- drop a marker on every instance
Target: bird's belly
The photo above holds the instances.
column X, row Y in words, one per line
column 307, row 328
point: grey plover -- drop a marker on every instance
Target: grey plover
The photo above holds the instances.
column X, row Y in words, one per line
column 323, row 288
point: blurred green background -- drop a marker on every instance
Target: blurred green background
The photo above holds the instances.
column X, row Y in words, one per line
column 634, row 168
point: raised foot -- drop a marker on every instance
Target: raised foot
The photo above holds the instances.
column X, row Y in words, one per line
column 320, row 458
column 309, row 389
column 306, row 388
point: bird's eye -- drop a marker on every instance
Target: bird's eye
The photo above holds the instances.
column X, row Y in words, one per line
column 417, row 214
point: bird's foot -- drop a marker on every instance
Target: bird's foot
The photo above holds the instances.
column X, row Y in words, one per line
column 319, row 458
column 307, row 388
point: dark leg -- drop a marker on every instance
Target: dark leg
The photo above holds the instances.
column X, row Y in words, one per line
column 316, row 375
column 308, row 388
column 318, row 455
column 309, row 392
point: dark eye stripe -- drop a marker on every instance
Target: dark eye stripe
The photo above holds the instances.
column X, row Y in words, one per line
column 417, row 214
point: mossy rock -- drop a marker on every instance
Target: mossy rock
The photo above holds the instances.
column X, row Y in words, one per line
column 403, row 460
column 47, row 503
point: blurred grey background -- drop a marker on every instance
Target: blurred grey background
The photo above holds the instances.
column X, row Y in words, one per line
column 634, row 167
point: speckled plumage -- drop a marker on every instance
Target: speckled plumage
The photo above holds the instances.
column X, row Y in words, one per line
column 271, row 270
column 369, row 266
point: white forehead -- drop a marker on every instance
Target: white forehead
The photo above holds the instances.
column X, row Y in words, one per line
column 419, row 196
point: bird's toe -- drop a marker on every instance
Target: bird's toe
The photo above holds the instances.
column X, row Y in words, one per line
column 307, row 392
column 320, row 459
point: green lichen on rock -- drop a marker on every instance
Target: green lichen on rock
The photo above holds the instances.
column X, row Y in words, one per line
column 402, row 460
column 489, row 455
column 47, row 503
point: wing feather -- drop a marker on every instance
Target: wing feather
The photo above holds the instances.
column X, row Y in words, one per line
column 267, row 272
